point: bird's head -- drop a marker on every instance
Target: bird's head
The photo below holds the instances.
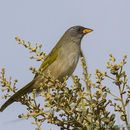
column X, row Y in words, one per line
column 76, row 33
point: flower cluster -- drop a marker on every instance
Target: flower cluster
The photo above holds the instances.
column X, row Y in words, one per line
column 81, row 106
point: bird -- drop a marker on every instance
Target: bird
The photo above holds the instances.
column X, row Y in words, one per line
column 60, row 62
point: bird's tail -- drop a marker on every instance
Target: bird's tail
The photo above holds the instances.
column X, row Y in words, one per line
column 17, row 95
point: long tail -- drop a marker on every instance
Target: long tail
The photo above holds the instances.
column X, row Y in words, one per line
column 17, row 95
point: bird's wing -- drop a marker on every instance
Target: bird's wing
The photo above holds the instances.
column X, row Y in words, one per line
column 49, row 60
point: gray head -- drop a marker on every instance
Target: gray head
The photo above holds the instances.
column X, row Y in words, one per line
column 76, row 33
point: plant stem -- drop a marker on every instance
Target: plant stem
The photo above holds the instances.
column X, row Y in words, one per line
column 123, row 106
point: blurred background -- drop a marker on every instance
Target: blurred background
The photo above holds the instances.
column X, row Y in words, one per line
column 44, row 21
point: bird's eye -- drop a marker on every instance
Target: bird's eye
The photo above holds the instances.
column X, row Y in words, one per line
column 80, row 30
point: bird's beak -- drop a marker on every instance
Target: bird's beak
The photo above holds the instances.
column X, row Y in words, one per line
column 87, row 30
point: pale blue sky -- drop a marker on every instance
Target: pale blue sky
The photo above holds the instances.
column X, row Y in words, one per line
column 45, row 21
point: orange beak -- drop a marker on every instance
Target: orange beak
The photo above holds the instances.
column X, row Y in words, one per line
column 87, row 30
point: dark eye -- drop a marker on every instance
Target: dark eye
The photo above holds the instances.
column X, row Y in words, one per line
column 80, row 30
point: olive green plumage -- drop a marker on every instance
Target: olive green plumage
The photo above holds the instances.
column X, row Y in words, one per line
column 61, row 61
